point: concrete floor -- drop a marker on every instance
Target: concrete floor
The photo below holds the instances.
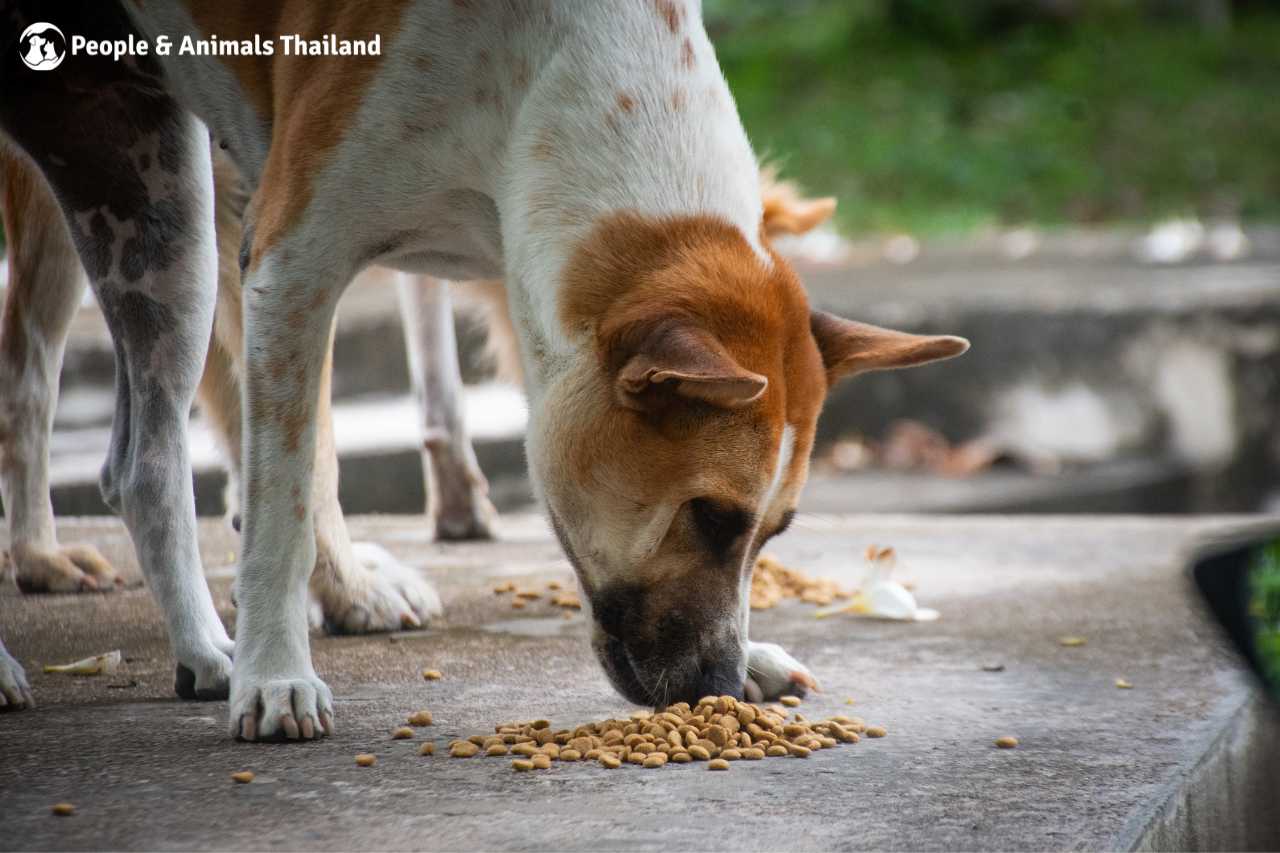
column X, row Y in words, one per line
column 1098, row 767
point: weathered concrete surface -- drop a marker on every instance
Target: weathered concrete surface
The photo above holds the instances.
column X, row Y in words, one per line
column 1098, row 767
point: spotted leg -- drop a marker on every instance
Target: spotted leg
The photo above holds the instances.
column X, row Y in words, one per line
column 131, row 173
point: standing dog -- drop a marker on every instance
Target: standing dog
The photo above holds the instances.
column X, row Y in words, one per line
column 589, row 152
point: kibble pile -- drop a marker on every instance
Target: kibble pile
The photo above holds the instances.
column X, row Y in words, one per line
column 771, row 582
column 718, row 730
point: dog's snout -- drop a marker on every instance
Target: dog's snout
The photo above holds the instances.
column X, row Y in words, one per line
column 725, row 677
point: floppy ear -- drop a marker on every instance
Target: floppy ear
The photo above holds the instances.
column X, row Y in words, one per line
column 785, row 212
column 849, row 348
column 678, row 358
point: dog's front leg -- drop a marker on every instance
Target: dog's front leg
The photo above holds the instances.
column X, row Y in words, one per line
column 457, row 491
column 15, row 693
column 289, row 299
column 773, row 672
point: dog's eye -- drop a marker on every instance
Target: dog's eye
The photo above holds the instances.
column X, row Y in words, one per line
column 719, row 525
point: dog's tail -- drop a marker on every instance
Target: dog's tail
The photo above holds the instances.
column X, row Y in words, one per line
column 786, row 211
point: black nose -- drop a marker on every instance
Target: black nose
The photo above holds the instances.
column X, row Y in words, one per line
column 722, row 678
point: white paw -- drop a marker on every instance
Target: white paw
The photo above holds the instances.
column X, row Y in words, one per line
column 15, row 693
column 297, row 707
column 771, row 673
column 204, row 668
column 389, row 596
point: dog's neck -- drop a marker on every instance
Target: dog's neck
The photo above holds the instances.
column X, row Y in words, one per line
column 630, row 113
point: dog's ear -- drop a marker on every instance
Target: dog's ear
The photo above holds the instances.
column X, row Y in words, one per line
column 785, row 211
column 849, row 348
column 674, row 359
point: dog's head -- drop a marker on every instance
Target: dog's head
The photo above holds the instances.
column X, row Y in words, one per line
column 677, row 445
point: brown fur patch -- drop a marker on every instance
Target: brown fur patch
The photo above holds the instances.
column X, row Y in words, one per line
column 670, row 12
column 310, row 102
column 688, row 60
column 626, row 103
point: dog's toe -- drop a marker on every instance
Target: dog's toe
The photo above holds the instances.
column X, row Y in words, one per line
column 64, row 569
column 299, row 708
column 15, row 693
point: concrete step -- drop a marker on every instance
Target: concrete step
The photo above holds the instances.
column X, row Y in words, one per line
column 1186, row 759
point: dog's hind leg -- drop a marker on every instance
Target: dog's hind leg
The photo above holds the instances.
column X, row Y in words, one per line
column 45, row 286
column 131, row 172
column 457, row 491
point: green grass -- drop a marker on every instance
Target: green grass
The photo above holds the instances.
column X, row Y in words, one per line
column 1265, row 608
column 1107, row 120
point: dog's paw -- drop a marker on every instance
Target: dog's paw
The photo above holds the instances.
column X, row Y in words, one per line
column 204, row 669
column 64, row 568
column 771, row 673
column 472, row 519
column 386, row 596
column 15, row 693
column 293, row 708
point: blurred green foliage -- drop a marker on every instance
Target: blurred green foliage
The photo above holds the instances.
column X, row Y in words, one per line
column 932, row 116
column 1265, row 608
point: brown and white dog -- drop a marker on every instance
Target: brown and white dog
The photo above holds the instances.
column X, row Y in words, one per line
column 588, row 152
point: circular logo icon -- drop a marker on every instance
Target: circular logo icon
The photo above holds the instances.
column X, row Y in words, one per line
column 42, row 47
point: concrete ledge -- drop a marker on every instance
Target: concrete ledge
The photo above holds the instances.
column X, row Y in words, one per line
column 1098, row 767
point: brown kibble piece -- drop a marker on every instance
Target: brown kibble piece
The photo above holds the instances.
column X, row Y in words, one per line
column 876, row 731
column 717, row 764
column 521, row 765
column 427, row 748
column 496, row 750
column 364, row 759
column 1072, row 642
column 517, row 604
column 402, row 733
column 1007, row 742
column 542, row 761
column 63, row 809
column 244, row 777
column 789, row 701
column 776, row 750
column 753, row 754
column 505, row 586
column 432, row 674
column 420, row 718
column 610, row 761
column 730, row 754
column 656, row 759
column 464, row 749
column 570, row 755
column 699, row 753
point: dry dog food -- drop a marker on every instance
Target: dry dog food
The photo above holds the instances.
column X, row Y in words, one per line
column 364, row 759
column 1007, row 742
column 717, row 730
column 427, row 748
column 717, row 764
column 402, row 733
column 244, row 777
column 432, row 674
column 1072, row 642
column 771, row 582
column 420, row 718
column 63, row 809
column 1123, row 685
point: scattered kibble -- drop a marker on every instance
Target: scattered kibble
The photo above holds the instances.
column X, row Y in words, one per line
column 522, row 765
column 542, row 761
column 609, row 760
column 717, row 764
column 1123, row 685
column 420, row 718
column 530, row 594
column 876, row 731
column 568, row 601
column 244, row 777
column 432, row 674
column 1071, row 642
column 790, row 701
column 63, row 809
column 553, row 585
column 1007, row 742
column 772, row 582
column 402, row 733
column 494, row 750
column 427, row 748
column 505, row 586
column 463, row 749
column 517, row 604
column 364, row 759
